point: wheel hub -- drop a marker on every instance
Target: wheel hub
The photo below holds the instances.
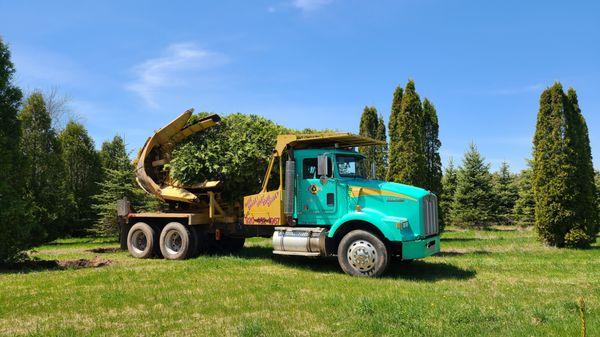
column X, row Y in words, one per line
column 139, row 241
column 362, row 255
column 173, row 242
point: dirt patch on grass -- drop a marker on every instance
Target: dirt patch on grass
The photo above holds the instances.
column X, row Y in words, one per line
column 39, row 265
column 96, row 262
column 104, row 250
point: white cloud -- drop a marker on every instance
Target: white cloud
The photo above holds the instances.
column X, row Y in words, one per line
column 310, row 5
column 518, row 90
column 180, row 63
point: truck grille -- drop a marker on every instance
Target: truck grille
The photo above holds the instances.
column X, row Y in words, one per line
column 430, row 213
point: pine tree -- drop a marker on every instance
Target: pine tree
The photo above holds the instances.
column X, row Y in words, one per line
column 382, row 151
column 15, row 224
column 44, row 175
column 555, row 181
column 82, row 173
column 449, row 180
column 392, row 129
column 524, row 209
column 369, row 124
column 472, row 206
column 505, row 195
column 407, row 155
column 584, row 230
column 433, row 175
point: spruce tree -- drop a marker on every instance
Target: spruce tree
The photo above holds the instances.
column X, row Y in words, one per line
column 82, row 173
column 555, row 181
column 118, row 183
column 524, row 209
column 369, row 124
column 15, row 223
column 382, row 151
column 392, row 129
column 407, row 155
column 448, row 191
column 472, row 205
column 44, row 176
column 433, row 175
column 505, row 195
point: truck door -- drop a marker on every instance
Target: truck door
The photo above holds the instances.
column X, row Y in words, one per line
column 316, row 195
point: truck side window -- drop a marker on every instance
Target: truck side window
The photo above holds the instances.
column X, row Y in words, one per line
column 309, row 168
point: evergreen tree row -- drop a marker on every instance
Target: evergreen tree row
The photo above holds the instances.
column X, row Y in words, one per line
column 472, row 196
column 53, row 182
column 413, row 154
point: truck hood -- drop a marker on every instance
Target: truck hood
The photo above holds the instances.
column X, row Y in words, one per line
column 359, row 187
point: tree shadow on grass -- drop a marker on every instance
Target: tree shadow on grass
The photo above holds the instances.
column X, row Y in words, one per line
column 415, row 270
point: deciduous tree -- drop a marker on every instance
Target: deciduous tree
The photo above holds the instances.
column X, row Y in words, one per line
column 113, row 155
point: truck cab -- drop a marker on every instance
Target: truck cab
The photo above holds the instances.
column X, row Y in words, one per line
column 330, row 206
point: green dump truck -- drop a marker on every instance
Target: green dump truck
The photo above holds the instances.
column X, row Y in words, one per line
column 315, row 200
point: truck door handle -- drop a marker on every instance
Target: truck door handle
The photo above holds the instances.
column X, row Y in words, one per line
column 330, row 199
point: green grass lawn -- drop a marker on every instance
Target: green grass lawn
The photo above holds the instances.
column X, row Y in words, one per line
column 496, row 282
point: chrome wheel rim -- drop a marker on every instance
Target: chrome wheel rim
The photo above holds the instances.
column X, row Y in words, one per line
column 173, row 242
column 139, row 242
column 362, row 255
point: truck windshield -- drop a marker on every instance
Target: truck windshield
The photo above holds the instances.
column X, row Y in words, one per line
column 350, row 166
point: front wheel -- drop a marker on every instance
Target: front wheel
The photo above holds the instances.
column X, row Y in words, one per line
column 361, row 253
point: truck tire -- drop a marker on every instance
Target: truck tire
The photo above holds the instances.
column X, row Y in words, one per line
column 175, row 241
column 141, row 240
column 361, row 253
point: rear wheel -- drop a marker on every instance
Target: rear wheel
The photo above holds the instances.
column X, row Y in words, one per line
column 176, row 242
column 141, row 240
column 361, row 253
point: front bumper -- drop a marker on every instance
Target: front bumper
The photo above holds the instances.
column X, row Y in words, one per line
column 420, row 248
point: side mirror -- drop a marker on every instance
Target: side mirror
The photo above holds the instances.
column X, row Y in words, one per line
column 322, row 165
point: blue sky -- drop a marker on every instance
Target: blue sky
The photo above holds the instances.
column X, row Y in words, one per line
column 130, row 67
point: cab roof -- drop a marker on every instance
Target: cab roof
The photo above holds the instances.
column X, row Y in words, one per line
column 323, row 140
